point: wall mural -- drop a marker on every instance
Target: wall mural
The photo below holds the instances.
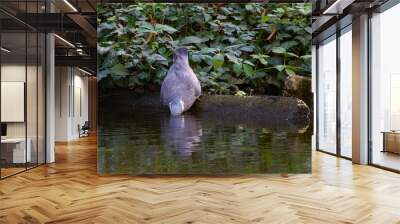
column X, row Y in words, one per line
column 204, row 88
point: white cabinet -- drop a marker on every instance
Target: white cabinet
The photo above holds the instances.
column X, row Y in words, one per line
column 19, row 155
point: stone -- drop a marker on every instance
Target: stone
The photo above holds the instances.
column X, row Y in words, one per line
column 255, row 107
column 300, row 87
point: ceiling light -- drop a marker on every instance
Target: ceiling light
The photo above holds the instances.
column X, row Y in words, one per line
column 65, row 41
column 5, row 50
column 70, row 5
column 337, row 7
column 84, row 71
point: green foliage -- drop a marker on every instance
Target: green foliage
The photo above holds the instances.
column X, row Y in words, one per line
column 233, row 47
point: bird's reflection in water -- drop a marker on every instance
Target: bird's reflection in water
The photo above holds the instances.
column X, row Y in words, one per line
column 182, row 133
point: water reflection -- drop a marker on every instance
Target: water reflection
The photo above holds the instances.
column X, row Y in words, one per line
column 152, row 142
column 182, row 133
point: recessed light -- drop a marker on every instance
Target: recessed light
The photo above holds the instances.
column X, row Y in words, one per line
column 5, row 50
column 70, row 5
column 64, row 40
column 86, row 72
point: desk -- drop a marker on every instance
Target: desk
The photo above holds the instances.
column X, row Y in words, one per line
column 391, row 141
column 18, row 149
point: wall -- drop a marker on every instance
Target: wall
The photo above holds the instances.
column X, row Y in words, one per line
column 17, row 73
column 14, row 73
column 71, row 102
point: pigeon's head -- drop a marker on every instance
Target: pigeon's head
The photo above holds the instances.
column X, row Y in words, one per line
column 181, row 54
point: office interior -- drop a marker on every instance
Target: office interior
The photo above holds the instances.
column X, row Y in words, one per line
column 48, row 82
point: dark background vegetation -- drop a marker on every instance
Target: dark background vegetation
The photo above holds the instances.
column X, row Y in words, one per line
column 234, row 48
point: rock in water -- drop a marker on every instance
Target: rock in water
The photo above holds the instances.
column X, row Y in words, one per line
column 300, row 87
column 180, row 88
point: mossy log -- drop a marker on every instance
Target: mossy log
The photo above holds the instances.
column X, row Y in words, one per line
column 274, row 112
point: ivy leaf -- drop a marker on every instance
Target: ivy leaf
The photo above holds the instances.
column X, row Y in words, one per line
column 248, row 62
column 292, row 54
column 207, row 17
column 306, row 57
column 249, row 7
column 248, row 70
column 112, row 18
column 103, row 74
column 191, row 40
column 264, row 19
column 103, row 50
column 146, row 27
column 164, row 28
column 131, row 22
column 278, row 50
column 118, row 71
column 289, row 71
column 238, row 69
column 247, row 48
column 289, row 44
column 233, row 58
column 218, row 61
column 280, row 67
column 207, row 50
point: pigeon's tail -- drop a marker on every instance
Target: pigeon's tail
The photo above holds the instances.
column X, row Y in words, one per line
column 176, row 107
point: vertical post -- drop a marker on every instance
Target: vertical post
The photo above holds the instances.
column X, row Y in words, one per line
column 314, row 91
column 338, row 77
column 26, row 87
column 50, row 93
column 316, row 103
column 0, row 95
column 360, row 90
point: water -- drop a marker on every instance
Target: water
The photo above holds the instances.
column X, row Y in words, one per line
column 153, row 142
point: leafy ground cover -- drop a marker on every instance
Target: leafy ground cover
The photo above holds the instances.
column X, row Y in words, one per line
column 234, row 48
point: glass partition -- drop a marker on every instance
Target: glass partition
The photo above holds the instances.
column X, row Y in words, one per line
column 22, row 87
column 14, row 144
column 385, row 89
column 326, row 106
column 346, row 92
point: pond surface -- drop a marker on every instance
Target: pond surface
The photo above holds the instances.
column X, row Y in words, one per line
column 153, row 142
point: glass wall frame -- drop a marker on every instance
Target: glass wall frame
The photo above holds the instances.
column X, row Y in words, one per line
column 22, row 63
column 340, row 123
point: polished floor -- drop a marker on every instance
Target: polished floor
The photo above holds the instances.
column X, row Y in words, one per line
column 5, row 172
column 70, row 191
column 387, row 159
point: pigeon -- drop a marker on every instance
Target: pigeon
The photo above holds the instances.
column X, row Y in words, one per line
column 180, row 88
